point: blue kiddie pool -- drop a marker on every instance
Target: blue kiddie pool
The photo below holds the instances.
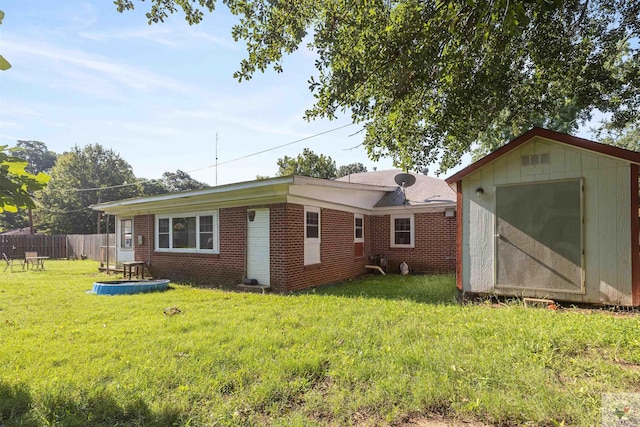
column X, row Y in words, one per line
column 124, row 287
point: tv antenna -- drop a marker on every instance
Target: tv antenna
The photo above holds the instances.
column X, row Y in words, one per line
column 216, row 159
column 405, row 180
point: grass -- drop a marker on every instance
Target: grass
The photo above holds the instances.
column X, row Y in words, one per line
column 369, row 352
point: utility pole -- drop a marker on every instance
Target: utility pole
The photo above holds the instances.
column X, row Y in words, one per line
column 216, row 159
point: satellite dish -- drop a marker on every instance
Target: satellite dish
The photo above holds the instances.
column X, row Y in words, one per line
column 405, row 180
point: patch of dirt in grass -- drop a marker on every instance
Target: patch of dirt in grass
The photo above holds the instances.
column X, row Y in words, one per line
column 440, row 421
column 628, row 365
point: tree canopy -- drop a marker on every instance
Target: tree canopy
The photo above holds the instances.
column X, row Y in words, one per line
column 627, row 137
column 180, row 181
column 36, row 153
column 80, row 178
column 307, row 163
column 428, row 80
column 345, row 170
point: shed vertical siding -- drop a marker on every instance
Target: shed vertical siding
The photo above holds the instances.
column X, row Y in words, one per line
column 606, row 228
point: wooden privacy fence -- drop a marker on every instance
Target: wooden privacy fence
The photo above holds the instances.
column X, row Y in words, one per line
column 91, row 246
column 72, row 246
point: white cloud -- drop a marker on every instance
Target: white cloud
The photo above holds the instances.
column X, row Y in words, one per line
column 9, row 125
column 160, row 35
column 92, row 67
column 164, row 35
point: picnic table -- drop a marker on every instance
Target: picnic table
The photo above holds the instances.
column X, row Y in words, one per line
column 36, row 262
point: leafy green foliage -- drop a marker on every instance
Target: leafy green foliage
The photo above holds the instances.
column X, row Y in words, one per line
column 152, row 187
column 367, row 352
column 39, row 159
column 80, row 178
column 36, row 153
column 627, row 137
column 16, row 183
column 170, row 182
column 4, row 64
column 307, row 163
column 180, row 181
column 428, row 80
column 345, row 170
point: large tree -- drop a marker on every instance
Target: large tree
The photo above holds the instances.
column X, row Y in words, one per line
column 307, row 163
column 80, row 178
column 429, row 79
column 37, row 154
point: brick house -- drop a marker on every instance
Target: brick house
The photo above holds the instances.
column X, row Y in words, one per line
column 289, row 232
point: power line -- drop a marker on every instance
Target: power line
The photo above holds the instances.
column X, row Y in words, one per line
column 210, row 166
column 41, row 206
column 272, row 148
column 101, row 188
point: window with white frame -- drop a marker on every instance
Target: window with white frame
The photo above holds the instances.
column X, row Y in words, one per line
column 187, row 232
column 402, row 231
column 312, row 235
column 358, row 228
column 126, row 234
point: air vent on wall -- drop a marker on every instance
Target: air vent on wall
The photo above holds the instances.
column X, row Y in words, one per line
column 535, row 159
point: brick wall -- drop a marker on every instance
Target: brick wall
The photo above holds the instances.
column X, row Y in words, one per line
column 435, row 243
column 434, row 250
column 337, row 259
column 223, row 269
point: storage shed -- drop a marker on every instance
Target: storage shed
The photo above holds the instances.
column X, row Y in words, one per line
column 550, row 215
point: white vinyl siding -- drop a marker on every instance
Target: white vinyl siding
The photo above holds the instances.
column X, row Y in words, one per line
column 187, row 232
column 402, row 231
column 312, row 233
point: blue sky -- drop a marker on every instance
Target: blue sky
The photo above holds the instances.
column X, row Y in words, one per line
column 83, row 73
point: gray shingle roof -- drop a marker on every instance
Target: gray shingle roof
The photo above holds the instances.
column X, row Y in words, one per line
column 426, row 190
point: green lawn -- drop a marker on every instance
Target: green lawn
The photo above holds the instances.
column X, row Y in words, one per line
column 369, row 352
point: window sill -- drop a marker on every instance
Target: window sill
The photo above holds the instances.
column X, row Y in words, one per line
column 185, row 252
column 313, row 266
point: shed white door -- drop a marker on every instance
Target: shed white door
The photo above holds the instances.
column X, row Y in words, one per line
column 258, row 264
column 539, row 236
